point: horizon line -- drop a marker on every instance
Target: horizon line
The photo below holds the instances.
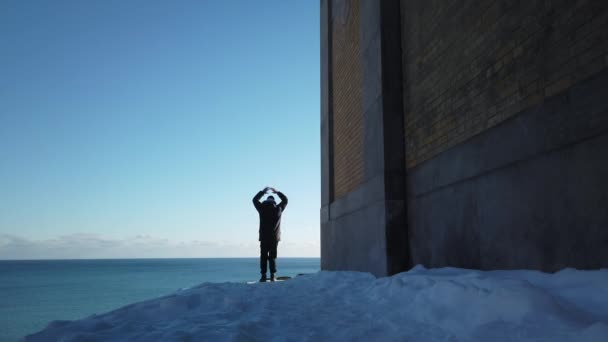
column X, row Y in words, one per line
column 153, row 258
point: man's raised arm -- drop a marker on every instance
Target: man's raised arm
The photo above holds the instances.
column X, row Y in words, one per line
column 283, row 198
column 256, row 199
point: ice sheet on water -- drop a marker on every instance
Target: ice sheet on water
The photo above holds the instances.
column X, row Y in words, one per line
column 419, row 305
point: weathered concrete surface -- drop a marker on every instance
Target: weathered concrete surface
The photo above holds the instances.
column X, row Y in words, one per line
column 531, row 192
column 365, row 229
column 354, row 241
column 484, row 136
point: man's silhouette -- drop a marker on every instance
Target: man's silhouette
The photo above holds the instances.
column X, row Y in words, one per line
column 270, row 229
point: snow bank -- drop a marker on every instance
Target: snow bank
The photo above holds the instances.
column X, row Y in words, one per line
column 446, row 304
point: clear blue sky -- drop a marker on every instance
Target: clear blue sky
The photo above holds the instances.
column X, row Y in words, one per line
column 143, row 128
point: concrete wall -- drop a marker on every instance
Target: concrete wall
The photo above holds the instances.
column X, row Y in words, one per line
column 506, row 116
column 483, row 135
column 531, row 192
column 363, row 228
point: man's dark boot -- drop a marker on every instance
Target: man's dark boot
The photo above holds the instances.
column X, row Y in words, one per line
column 263, row 278
column 272, row 278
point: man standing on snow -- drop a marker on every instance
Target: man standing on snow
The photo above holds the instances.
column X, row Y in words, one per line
column 270, row 229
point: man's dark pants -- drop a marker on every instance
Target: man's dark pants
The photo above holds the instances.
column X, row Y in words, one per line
column 268, row 254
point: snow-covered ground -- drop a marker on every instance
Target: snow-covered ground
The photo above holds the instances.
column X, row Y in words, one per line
column 445, row 304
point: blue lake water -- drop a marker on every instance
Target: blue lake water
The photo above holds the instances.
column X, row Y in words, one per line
column 33, row 293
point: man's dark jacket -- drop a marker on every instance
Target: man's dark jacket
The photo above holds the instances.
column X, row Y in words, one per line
column 270, row 217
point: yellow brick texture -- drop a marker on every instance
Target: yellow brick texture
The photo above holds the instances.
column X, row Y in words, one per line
column 347, row 109
column 469, row 65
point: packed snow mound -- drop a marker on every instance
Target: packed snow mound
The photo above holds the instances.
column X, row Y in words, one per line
column 447, row 304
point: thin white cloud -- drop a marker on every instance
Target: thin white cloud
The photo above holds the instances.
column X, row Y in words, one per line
column 93, row 246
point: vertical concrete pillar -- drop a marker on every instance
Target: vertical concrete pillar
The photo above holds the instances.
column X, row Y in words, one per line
column 365, row 229
column 393, row 138
column 326, row 129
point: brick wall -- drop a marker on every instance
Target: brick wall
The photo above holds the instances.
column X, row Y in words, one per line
column 346, row 94
column 469, row 65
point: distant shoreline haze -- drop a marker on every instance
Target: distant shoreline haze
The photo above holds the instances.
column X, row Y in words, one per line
column 99, row 247
column 152, row 258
